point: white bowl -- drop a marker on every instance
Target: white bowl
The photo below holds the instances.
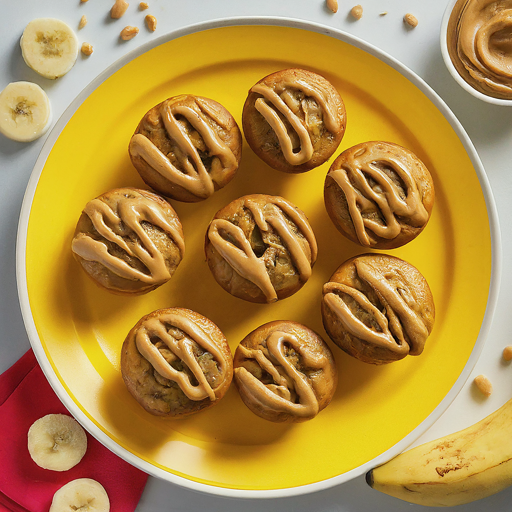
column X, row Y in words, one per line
column 451, row 68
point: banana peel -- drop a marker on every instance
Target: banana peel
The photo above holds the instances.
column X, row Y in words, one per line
column 453, row 470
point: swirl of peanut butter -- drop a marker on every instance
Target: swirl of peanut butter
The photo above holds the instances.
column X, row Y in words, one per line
column 183, row 348
column 194, row 176
column 401, row 329
column 480, row 44
column 271, row 103
column 371, row 194
column 131, row 213
column 245, row 262
column 287, row 379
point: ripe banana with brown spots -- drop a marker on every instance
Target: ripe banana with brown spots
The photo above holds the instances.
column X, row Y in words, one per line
column 459, row 468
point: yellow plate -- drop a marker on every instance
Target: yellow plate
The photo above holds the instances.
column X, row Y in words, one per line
column 77, row 329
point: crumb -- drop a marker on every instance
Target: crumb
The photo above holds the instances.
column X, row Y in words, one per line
column 150, row 22
column 383, row 13
column 143, row 6
column 332, row 5
column 357, row 12
column 83, row 21
column 129, row 33
column 507, row 353
column 87, row 49
column 483, row 384
column 83, row 1
column 411, row 20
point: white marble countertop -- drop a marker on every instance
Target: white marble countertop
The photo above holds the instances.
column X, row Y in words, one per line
column 489, row 127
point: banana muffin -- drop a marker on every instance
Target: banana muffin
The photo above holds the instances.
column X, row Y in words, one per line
column 294, row 120
column 176, row 362
column 378, row 308
column 187, row 147
column 285, row 372
column 260, row 248
column 379, row 195
column 129, row 241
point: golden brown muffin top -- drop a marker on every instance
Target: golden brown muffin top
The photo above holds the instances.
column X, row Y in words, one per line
column 285, row 372
column 191, row 142
column 387, row 191
column 176, row 362
column 121, row 231
column 294, row 119
column 383, row 301
column 282, row 227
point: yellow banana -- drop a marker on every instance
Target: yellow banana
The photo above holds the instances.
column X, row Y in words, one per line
column 459, row 468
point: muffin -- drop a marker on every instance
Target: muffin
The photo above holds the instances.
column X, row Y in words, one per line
column 294, row 120
column 378, row 308
column 187, row 147
column 478, row 41
column 260, row 248
column 175, row 362
column 379, row 195
column 129, row 241
column 285, row 372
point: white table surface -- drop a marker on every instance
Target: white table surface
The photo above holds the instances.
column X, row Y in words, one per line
column 489, row 127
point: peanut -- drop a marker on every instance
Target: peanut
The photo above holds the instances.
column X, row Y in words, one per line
column 411, row 20
column 143, row 6
column 83, row 21
column 150, row 22
column 507, row 353
column 118, row 9
column 87, row 48
column 129, row 33
column 332, row 5
column 357, row 12
column 483, row 384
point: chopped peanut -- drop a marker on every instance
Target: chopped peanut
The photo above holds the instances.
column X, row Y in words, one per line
column 411, row 20
column 129, row 33
column 332, row 5
column 357, row 12
column 507, row 353
column 87, row 48
column 150, row 22
column 83, row 21
column 143, row 6
column 483, row 384
column 118, row 9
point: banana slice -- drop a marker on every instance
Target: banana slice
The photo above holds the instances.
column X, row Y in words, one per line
column 49, row 46
column 25, row 112
column 56, row 442
column 81, row 494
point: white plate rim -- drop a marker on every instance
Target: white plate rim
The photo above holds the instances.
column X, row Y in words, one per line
column 95, row 431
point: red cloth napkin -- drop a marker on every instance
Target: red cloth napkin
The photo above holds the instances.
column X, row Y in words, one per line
column 26, row 396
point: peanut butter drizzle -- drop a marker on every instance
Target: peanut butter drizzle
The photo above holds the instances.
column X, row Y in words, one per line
column 356, row 327
column 182, row 348
column 384, row 198
column 243, row 261
column 480, row 44
column 286, row 377
column 246, row 263
column 401, row 321
column 271, row 100
column 131, row 212
column 194, row 178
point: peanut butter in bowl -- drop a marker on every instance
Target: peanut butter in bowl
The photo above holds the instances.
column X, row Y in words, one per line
column 477, row 47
